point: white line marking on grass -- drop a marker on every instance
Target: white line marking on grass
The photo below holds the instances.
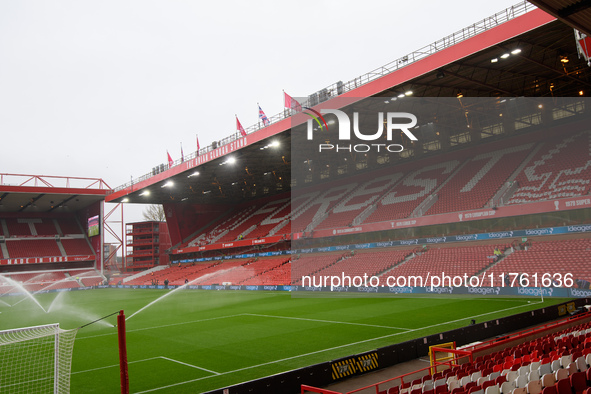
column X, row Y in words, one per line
column 326, row 321
column 164, row 326
column 148, row 359
column 114, row 365
column 334, row 348
column 190, row 365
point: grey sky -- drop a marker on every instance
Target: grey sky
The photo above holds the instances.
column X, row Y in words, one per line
column 104, row 88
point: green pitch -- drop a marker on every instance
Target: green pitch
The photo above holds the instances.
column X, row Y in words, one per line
column 197, row 340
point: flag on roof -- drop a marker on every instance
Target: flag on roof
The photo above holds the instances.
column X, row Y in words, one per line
column 170, row 161
column 292, row 103
column 240, row 128
column 263, row 117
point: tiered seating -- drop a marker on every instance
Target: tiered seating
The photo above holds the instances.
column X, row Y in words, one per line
column 406, row 196
column 36, row 281
column 277, row 212
column 365, row 263
column 478, row 181
column 453, row 261
column 256, row 214
column 175, row 274
column 74, row 247
column 553, row 257
column 45, row 227
column 15, row 228
column 344, row 212
column 32, row 248
column 219, row 273
column 278, row 275
column 561, row 168
column 69, row 226
column 249, row 270
column 38, row 277
column 305, row 265
column 214, row 231
column 320, row 206
column 87, row 278
column 553, row 364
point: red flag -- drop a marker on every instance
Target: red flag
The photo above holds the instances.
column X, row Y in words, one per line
column 292, row 103
column 240, row 128
column 198, row 147
column 182, row 155
column 170, row 161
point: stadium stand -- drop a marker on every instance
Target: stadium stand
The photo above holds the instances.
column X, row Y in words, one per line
column 75, row 247
column 51, row 280
column 547, row 257
column 476, row 183
column 17, row 227
column 69, row 226
column 21, row 248
column 452, row 261
column 469, row 179
column 365, row 263
column 561, row 168
column 543, row 362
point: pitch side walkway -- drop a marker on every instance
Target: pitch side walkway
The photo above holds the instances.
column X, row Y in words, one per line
column 379, row 376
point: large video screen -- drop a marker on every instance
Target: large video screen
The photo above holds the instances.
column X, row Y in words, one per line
column 93, row 226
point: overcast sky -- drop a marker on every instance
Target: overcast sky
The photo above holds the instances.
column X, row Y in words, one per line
column 104, row 88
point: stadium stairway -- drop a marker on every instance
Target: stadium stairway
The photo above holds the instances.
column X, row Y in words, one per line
column 385, row 273
column 4, row 250
column 508, row 193
column 490, row 268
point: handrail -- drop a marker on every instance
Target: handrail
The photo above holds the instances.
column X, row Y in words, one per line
column 46, row 180
column 339, row 88
column 465, row 352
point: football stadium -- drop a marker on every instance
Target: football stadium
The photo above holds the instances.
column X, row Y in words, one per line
column 448, row 252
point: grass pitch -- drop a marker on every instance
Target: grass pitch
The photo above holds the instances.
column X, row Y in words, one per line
column 197, row 340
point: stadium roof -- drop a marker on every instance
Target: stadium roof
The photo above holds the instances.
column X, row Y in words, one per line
column 46, row 194
column 575, row 13
column 518, row 52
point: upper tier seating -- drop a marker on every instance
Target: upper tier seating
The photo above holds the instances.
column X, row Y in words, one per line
column 561, row 168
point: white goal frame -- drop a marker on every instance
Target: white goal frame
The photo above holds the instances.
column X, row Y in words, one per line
column 36, row 359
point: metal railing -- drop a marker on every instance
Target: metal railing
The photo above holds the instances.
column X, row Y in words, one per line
column 339, row 88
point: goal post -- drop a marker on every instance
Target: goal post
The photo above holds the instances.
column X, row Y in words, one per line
column 36, row 359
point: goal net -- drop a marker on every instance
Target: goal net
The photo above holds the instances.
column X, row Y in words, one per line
column 36, row 359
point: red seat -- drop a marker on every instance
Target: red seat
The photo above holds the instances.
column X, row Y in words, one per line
column 578, row 382
column 441, row 389
column 563, row 386
column 550, row 390
column 394, row 390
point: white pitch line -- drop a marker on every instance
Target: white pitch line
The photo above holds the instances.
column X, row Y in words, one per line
column 148, row 359
column 114, row 365
column 164, row 326
column 190, row 365
column 326, row 321
column 332, row 348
